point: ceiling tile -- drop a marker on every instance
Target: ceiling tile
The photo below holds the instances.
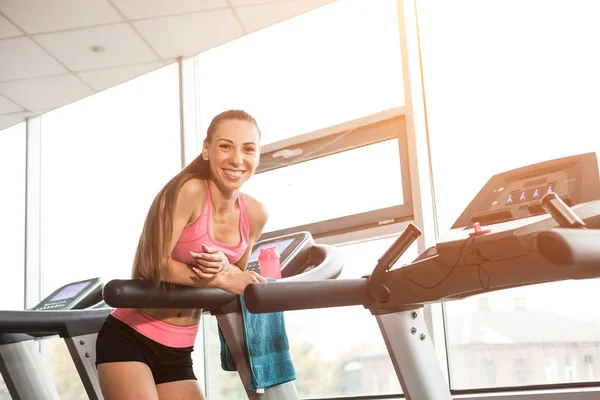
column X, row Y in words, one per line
column 22, row 58
column 261, row 16
column 6, row 121
column 9, row 120
column 139, row 9
column 189, row 34
column 105, row 78
column 36, row 16
column 46, row 92
column 7, row 29
column 121, row 44
column 7, row 106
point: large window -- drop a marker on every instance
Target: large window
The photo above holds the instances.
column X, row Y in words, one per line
column 297, row 187
column 508, row 85
column 310, row 72
column 318, row 85
column 12, row 225
column 342, row 187
column 336, row 352
column 301, row 79
column 347, row 177
column 104, row 158
column 12, row 216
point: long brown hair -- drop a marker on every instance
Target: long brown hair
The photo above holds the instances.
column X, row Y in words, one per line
column 154, row 245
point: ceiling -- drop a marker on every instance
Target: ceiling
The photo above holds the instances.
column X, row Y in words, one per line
column 54, row 52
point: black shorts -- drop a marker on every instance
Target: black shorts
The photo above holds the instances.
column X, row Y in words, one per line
column 118, row 342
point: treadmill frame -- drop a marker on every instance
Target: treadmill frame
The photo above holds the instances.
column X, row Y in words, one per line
column 412, row 353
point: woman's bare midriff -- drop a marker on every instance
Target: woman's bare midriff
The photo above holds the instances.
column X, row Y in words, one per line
column 183, row 317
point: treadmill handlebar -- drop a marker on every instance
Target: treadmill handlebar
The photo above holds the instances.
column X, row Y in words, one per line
column 286, row 296
column 376, row 289
column 567, row 247
column 561, row 212
column 400, row 245
column 34, row 322
column 137, row 293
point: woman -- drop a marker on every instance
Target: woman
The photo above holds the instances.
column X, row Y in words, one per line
column 199, row 232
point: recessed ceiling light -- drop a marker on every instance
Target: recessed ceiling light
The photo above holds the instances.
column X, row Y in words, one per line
column 97, row 49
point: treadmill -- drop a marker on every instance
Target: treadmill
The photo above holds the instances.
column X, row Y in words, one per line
column 536, row 224
column 301, row 261
column 66, row 313
column 77, row 311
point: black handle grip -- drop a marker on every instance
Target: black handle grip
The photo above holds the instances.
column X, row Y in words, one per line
column 402, row 243
column 562, row 213
column 137, row 293
column 389, row 258
column 286, row 296
column 570, row 247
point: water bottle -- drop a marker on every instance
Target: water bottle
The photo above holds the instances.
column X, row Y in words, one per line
column 269, row 263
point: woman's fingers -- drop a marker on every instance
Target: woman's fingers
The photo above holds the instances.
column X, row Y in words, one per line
column 200, row 274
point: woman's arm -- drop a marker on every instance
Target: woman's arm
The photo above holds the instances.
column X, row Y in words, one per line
column 233, row 277
column 214, row 259
column 211, row 261
column 182, row 274
column 185, row 205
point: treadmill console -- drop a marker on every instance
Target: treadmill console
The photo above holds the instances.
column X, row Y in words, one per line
column 289, row 247
column 73, row 296
column 516, row 194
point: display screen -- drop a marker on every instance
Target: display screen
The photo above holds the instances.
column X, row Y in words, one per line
column 280, row 246
column 70, row 291
column 524, row 196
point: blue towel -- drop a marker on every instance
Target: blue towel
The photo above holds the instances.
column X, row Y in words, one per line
column 268, row 349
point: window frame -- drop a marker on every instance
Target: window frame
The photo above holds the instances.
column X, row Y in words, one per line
column 369, row 130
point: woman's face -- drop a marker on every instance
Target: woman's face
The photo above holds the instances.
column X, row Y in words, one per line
column 233, row 153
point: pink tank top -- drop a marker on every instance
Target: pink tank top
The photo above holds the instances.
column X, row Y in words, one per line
column 192, row 238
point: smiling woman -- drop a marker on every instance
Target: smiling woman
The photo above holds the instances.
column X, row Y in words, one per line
column 232, row 163
column 199, row 232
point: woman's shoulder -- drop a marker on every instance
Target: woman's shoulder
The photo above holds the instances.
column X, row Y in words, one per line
column 193, row 186
column 193, row 190
column 257, row 211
